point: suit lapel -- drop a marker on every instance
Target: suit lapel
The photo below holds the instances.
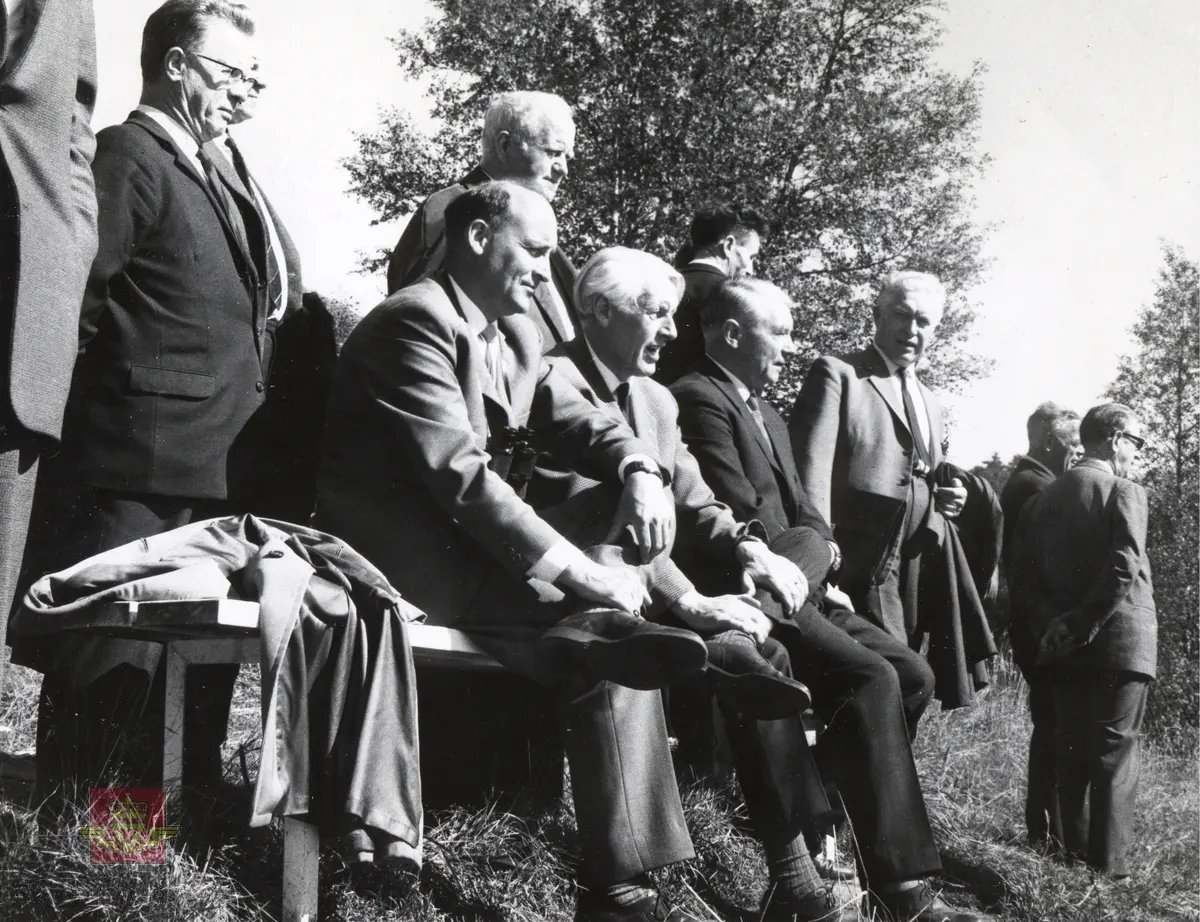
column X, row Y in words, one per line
column 730, row 391
column 32, row 15
column 880, row 379
column 185, row 164
column 497, row 409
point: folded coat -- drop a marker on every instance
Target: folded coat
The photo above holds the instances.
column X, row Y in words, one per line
column 339, row 705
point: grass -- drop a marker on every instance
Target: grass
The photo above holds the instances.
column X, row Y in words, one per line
column 491, row 864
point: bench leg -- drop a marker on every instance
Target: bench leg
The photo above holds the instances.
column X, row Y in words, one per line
column 173, row 719
column 301, row 845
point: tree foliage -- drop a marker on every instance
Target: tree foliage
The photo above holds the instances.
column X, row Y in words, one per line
column 828, row 113
column 1161, row 381
column 995, row 471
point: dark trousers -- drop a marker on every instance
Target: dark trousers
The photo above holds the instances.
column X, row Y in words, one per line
column 1098, row 762
column 111, row 731
column 1042, row 820
column 871, row 691
column 18, row 476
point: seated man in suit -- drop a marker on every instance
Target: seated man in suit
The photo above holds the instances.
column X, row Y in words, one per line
column 723, row 242
column 528, row 138
column 869, row 688
column 1082, row 579
column 866, row 434
column 1053, row 448
column 626, row 300
column 427, row 393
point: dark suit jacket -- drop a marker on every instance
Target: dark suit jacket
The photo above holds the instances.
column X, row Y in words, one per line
column 757, row 480
column 421, row 251
column 683, row 353
column 47, row 207
column 405, row 477
column 582, row 508
column 855, row 458
column 1080, row 551
column 1028, row 479
column 172, row 332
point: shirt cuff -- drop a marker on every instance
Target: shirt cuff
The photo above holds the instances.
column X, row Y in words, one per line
column 554, row 561
column 629, row 459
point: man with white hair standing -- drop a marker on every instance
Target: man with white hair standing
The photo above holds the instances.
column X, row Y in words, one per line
column 867, row 436
column 528, row 138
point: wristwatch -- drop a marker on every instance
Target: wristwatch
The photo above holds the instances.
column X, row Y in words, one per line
column 639, row 466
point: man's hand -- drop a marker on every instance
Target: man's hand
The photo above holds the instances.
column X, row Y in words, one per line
column 837, row 597
column 711, row 615
column 647, row 508
column 767, row 570
column 1057, row 642
column 617, row 587
column 949, row 501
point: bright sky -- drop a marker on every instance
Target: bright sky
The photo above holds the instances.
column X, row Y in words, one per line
column 1091, row 111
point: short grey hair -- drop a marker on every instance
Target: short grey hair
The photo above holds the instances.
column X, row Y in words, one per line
column 518, row 113
column 1049, row 418
column 735, row 299
column 897, row 285
column 620, row 276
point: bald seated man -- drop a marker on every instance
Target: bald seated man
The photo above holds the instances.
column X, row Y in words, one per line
column 432, row 391
column 528, row 138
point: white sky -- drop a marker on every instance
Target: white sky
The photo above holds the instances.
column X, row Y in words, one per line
column 1091, row 111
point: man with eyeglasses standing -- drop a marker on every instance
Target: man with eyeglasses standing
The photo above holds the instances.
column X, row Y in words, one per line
column 176, row 342
column 1081, row 577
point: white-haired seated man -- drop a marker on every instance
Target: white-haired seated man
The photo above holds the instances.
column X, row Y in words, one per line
column 626, row 301
column 528, row 138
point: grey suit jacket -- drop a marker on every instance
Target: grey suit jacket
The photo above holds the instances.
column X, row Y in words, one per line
column 1079, row 550
column 582, row 508
column 47, row 205
column 855, row 457
column 404, row 476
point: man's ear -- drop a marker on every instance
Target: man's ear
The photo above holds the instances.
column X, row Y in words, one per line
column 602, row 310
column 727, row 245
column 503, row 146
column 731, row 333
column 479, row 236
column 173, row 63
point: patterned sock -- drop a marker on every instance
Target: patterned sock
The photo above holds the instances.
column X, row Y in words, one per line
column 791, row 869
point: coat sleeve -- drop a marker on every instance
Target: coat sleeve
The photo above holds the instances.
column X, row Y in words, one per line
column 83, row 141
column 813, row 426
column 1128, row 514
column 410, row 250
column 128, row 203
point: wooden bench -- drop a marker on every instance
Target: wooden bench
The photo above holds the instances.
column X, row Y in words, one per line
column 431, row 646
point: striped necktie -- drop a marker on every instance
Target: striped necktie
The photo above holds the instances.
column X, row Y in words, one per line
column 270, row 259
column 914, row 425
column 752, row 403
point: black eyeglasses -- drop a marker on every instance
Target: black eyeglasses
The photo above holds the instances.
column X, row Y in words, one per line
column 1138, row 442
column 235, row 74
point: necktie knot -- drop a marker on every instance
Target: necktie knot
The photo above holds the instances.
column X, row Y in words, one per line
column 622, row 395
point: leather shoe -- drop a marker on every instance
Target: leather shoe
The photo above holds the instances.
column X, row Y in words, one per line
column 652, row 910
column 622, row 648
column 828, row 869
column 744, row 680
column 779, row 906
column 920, row 904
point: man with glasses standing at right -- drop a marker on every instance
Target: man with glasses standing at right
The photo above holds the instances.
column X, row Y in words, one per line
column 176, row 343
column 1081, row 576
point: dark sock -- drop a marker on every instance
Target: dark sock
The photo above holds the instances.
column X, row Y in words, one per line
column 791, row 869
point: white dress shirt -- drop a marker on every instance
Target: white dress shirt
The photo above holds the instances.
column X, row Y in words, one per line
column 914, row 391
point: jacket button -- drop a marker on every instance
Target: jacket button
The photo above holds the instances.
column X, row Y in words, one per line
column 259, row 386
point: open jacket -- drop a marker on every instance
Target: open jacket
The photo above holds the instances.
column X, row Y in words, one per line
column 339, row 706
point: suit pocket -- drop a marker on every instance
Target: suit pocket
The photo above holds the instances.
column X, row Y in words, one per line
column 167, row 382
